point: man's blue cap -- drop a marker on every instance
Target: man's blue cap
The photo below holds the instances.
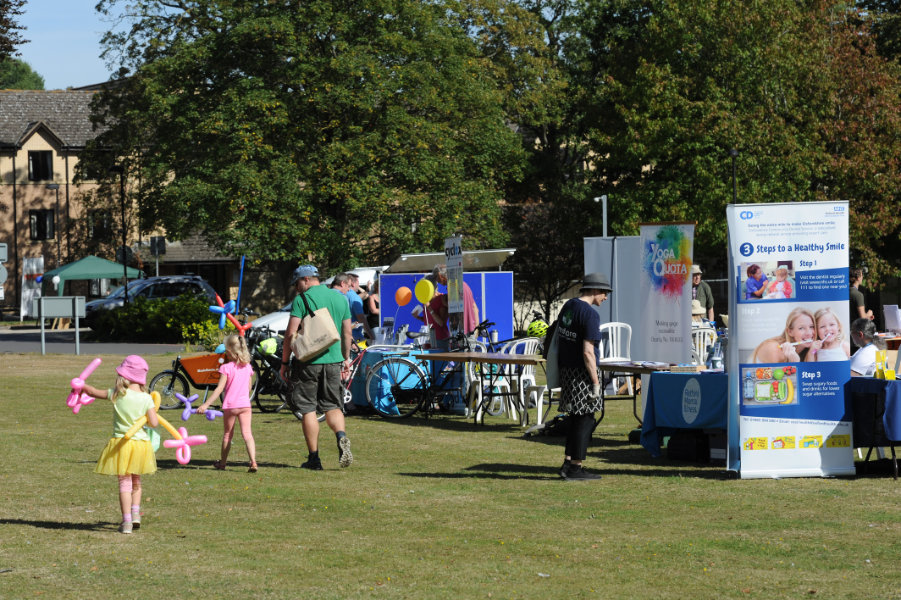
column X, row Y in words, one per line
column 304, row 271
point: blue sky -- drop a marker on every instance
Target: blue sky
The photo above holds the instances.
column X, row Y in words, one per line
column 65, row 42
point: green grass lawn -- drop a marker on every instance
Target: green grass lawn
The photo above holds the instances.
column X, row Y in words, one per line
column 429, row 509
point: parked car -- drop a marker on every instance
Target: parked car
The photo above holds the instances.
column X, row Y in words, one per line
column 276, row 321
column 167, row 287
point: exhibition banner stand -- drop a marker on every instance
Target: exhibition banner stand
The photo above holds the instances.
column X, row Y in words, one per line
column 453, row 254
column 32, row 272
column 789, row 341
column 665, row 285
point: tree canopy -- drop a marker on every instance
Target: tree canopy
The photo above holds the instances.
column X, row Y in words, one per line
column 10, row 35
column 326, row 130
column 661, row 92
column 17, row 74
column 350, row 132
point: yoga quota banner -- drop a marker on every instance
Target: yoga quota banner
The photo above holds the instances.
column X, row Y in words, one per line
column 789, row 340
column 665, row 286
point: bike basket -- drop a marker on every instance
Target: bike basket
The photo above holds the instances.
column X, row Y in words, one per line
column 203, row 370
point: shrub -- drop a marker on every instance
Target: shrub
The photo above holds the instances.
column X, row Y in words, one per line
column 154, row 321
column 206, row 334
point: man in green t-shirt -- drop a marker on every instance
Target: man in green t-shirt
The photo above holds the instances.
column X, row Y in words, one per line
column 317, row 383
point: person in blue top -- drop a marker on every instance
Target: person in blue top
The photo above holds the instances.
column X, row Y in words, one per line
column 578, row 334
column 357, row 311
column 756, row 283
column 317, row 383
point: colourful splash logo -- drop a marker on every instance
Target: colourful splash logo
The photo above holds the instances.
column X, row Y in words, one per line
column 667, row 261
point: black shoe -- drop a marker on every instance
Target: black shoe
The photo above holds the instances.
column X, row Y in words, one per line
column 312, row 464
column 564, row 469
column 345, row 458
column 578, row 473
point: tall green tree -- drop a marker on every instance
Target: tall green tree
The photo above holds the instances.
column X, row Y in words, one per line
column 17, row 74
column 884, row 18
column 678, row 85
column 331, row 130
column 10, row 30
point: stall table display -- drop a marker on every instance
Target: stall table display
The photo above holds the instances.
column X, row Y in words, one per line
column 491, row 389
column 678, row 401
column 875, row 409
column 634, row 370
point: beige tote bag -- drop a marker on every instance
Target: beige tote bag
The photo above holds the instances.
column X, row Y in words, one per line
column 316, row 334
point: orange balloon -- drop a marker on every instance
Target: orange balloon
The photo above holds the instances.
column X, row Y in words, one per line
column 403, row 295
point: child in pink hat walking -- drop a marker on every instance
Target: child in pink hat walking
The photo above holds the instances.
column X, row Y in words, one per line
column 128, row 459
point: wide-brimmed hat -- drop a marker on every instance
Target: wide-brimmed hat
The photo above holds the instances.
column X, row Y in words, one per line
column 304, row 271
column 696, row 269
column 134, row 368
column 596, row 281
column 696, row 308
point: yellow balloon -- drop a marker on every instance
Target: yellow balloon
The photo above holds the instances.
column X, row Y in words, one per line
column 425, row 289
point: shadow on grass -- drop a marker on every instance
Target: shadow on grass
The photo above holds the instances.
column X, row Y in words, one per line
column 237, row 466
column 875, row 468
column 99, row 526
column 447, row 423
column 496, row 471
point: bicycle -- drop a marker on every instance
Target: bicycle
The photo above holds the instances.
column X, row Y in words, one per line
column 268, row 391
column 398, row 386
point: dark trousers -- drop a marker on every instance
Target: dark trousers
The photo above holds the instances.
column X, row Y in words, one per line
column 578, row 435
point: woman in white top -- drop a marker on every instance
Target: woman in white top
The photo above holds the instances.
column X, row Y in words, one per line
column 863, row 334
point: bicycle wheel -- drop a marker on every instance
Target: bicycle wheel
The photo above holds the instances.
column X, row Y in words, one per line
column 396, row 387
column 167, row 383
column 267, row 391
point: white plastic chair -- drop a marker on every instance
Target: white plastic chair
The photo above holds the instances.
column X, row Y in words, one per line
column 541, row 392
column 474, row 379
column 701, row 338
column 616, row 339
column 523, row 375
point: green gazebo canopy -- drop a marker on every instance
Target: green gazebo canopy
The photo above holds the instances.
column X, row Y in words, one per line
column 89, row 267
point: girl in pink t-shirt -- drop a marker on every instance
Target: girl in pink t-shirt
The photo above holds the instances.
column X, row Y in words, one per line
column 235, row 377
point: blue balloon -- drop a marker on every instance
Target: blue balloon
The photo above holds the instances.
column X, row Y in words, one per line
column 222, row 311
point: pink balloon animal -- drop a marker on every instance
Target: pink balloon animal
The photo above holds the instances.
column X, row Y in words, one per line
column 76, row 398
column 183, row 446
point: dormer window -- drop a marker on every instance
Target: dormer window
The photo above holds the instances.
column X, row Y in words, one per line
column 40, row 165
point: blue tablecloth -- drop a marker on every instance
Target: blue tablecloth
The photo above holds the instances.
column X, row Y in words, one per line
column 683, row 401
column 358, row 385
column 891, row 419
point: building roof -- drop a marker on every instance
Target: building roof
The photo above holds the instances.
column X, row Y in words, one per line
column 192, row 249
column 65, row 113
column 473, row 260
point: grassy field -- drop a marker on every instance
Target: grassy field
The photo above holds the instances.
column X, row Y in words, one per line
column 429, row 509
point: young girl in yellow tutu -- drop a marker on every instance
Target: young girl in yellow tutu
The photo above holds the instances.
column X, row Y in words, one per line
column 129, row 459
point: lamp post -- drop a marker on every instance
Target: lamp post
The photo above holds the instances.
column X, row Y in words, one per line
column 55, row 187
column 603, row 200
column 733, row 152
column 121, row 171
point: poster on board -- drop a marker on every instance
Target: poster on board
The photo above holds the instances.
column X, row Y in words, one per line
column 665, row 291
column 789, row 339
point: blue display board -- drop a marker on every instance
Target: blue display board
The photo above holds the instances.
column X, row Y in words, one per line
column 789, row 340
column 493, row 293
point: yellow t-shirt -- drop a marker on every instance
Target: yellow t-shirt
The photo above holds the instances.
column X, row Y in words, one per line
column 129, row 408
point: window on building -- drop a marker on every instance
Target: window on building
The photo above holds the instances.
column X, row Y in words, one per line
column 40, row 165
column 100, row 225
column 42, row 224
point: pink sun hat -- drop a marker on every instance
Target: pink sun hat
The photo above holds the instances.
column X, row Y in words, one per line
column 134, row 368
